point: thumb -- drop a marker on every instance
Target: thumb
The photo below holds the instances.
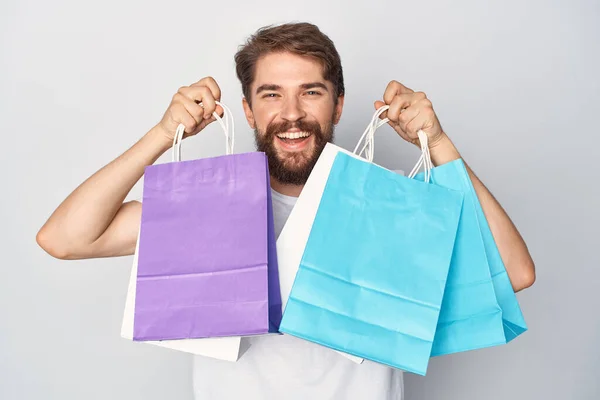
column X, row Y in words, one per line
column 378, row 105
column 219, row 111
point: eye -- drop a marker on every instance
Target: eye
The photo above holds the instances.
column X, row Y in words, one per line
column 313, row 93
column 269, row 95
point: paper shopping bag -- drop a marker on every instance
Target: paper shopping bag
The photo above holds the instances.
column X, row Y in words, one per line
column 294, row 235
column 222, row 348
column 204, row 265
column 512, row 316
column 373, row 273
column 275, row 303
column 480, row 308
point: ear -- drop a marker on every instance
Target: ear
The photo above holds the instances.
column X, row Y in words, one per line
column 249, row 113
column 338, row 109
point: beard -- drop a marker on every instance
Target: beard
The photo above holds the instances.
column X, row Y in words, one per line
column 293, row 168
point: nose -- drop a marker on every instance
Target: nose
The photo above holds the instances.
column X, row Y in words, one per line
column 292, row 110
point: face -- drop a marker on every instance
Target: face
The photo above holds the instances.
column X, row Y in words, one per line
column 293, row 114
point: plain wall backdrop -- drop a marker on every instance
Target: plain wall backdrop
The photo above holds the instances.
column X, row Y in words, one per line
column 515, row 85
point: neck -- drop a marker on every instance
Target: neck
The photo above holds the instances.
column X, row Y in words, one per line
column 286, row 189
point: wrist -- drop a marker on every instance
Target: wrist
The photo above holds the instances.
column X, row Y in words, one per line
column 159, row 139
column 442, row 150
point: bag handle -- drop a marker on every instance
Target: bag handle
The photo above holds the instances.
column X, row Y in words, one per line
column 369, row 144
column 228, row 130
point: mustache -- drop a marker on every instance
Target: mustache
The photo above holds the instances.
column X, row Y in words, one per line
column 305, row 126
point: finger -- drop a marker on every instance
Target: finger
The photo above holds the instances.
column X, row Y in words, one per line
column 378, row 104
column 404, row 101
column 407, row 114
column 182, row 116
column 399, row 103
column 391, row 123
column 411, row 120
column 420, row 122
column 210, row 83
column 201, row 94
column 219, row 111
column 393, row 89
column 194, row 109
column 425, row 120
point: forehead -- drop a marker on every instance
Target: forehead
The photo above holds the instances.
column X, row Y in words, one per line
column 287, row 69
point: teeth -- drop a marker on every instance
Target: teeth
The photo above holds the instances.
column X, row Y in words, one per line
column 293, row 135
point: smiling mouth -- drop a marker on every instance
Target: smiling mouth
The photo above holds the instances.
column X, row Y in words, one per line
column 293, row 137
column 293, row 141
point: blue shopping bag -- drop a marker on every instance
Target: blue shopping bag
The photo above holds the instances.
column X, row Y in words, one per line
column 480, row 308
column 373, row 273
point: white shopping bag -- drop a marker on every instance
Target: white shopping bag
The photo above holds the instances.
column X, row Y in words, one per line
column 222, row 348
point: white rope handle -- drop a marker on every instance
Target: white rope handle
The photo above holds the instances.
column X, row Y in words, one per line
column 425, row 159
column 228, row 130
column 369, row 145
column 368, row 135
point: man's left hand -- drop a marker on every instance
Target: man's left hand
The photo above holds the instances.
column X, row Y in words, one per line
column 410, row 112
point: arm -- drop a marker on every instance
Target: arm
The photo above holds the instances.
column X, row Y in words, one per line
column 93, row 221
column 512, row 247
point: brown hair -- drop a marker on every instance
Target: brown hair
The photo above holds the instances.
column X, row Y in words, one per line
column 301, row 38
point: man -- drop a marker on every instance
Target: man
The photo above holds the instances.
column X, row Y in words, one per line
column 293, row 88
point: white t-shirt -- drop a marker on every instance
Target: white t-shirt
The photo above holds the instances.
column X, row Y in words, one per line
column 284, row 367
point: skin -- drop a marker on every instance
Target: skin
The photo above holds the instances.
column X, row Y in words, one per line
column 290, row 88
column 94, row 221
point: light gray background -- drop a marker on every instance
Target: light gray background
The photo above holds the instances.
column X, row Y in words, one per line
column 514, row 84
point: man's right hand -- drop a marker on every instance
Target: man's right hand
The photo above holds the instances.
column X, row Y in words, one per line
column 185, row 108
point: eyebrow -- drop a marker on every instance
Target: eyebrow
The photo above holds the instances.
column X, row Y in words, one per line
column 313, row 85
column 266, row 87
column 304, row 86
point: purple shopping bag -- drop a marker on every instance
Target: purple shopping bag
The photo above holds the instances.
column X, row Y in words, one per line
column 207, row 256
